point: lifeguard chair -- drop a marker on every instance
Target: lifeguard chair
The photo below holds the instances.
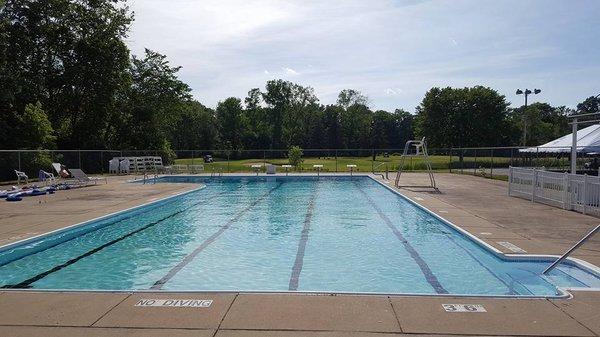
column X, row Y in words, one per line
column 420, row 150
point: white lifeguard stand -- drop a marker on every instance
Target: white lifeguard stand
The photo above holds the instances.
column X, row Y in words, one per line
column 420, row 151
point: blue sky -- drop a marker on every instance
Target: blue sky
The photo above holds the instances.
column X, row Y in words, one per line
column 392, row 51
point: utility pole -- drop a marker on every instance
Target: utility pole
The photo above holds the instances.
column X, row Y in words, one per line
column 527, row 92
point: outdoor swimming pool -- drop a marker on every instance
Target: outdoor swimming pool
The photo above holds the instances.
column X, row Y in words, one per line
column 329, row 234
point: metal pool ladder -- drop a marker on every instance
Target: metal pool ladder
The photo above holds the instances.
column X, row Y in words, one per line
column 568, row 252
column 381, row 174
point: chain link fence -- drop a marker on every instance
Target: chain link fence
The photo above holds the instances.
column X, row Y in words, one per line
column 490, row 162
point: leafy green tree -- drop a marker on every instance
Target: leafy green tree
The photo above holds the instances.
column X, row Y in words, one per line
column 287, row 106
column 35, row 130
column 589, row 105
column 152, row 105
column 295, row 156
column 229, row 118
column 196, row 127
column 462, row 117
column 34, row 133
column 356, row 126
column 256, row 129
column 544, row 123
column 332, row 126
column 70, row 56
column 350, row 97
column 403, row 129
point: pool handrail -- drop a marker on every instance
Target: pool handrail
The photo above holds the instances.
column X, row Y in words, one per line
column 568, row 252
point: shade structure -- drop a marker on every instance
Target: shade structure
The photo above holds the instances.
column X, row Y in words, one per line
column 588, row 141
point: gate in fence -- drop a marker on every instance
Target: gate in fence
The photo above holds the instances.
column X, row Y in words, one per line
column 576, row 192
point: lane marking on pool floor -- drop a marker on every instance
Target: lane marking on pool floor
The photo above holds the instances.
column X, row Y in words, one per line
column 511, row 290
column 299, row 262
column 27, row 283
column 159, row 284
column 429, row 276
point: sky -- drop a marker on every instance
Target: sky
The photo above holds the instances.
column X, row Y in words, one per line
column 391, row 51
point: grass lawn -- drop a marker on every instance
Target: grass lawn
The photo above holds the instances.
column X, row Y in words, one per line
column 364, row 164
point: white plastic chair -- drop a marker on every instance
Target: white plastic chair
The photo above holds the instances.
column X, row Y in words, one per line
column 21, row 176
column 124, row 166
column 113, row 165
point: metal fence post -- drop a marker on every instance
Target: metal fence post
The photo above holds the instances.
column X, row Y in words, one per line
column 450, row 161
column 228, row 169
column 336, row 161
column 510, row 173
column 492, row 165
column 475, row 166
column 372, row 160
column 534, row 185
column 19, row 156
column 79, row 155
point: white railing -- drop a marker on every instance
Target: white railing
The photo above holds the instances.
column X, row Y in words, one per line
column 576, row 192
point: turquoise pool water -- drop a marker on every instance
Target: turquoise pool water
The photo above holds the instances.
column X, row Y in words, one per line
column 337, row 234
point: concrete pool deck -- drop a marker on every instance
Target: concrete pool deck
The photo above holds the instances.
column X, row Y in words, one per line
column 480, row 206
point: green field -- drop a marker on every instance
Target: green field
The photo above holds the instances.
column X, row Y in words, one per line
column 364, row 164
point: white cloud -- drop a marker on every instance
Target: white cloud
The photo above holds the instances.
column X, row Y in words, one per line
column 227, row 47
column 393, row 91
column 290, row 71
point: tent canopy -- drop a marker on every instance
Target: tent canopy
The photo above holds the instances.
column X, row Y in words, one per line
column 588, row 141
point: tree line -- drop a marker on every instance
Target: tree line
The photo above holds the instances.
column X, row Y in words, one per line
column 69, row 81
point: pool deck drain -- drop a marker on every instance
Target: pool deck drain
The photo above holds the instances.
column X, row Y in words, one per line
column 477, row 205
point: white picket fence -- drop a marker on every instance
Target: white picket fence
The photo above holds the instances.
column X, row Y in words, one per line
column 576, row 192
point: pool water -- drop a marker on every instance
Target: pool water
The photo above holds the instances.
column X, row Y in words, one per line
column 330, row 234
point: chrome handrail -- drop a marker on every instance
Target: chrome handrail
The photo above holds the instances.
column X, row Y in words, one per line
column 568, row 252
column 381, row 174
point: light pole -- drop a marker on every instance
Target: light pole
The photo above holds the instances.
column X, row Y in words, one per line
column 527, row 92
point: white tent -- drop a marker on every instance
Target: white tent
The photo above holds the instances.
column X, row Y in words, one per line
column 588, row 141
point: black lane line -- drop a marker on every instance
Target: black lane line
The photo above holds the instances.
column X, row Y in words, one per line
column 511, row 290
column 27, row 283
column 429, row 276
column 78, row 236
column 297, row 268
column 159, row 284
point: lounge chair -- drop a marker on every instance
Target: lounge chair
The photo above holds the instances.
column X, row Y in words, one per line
column 84, row 178
column 63, row 175
column 21, row 176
